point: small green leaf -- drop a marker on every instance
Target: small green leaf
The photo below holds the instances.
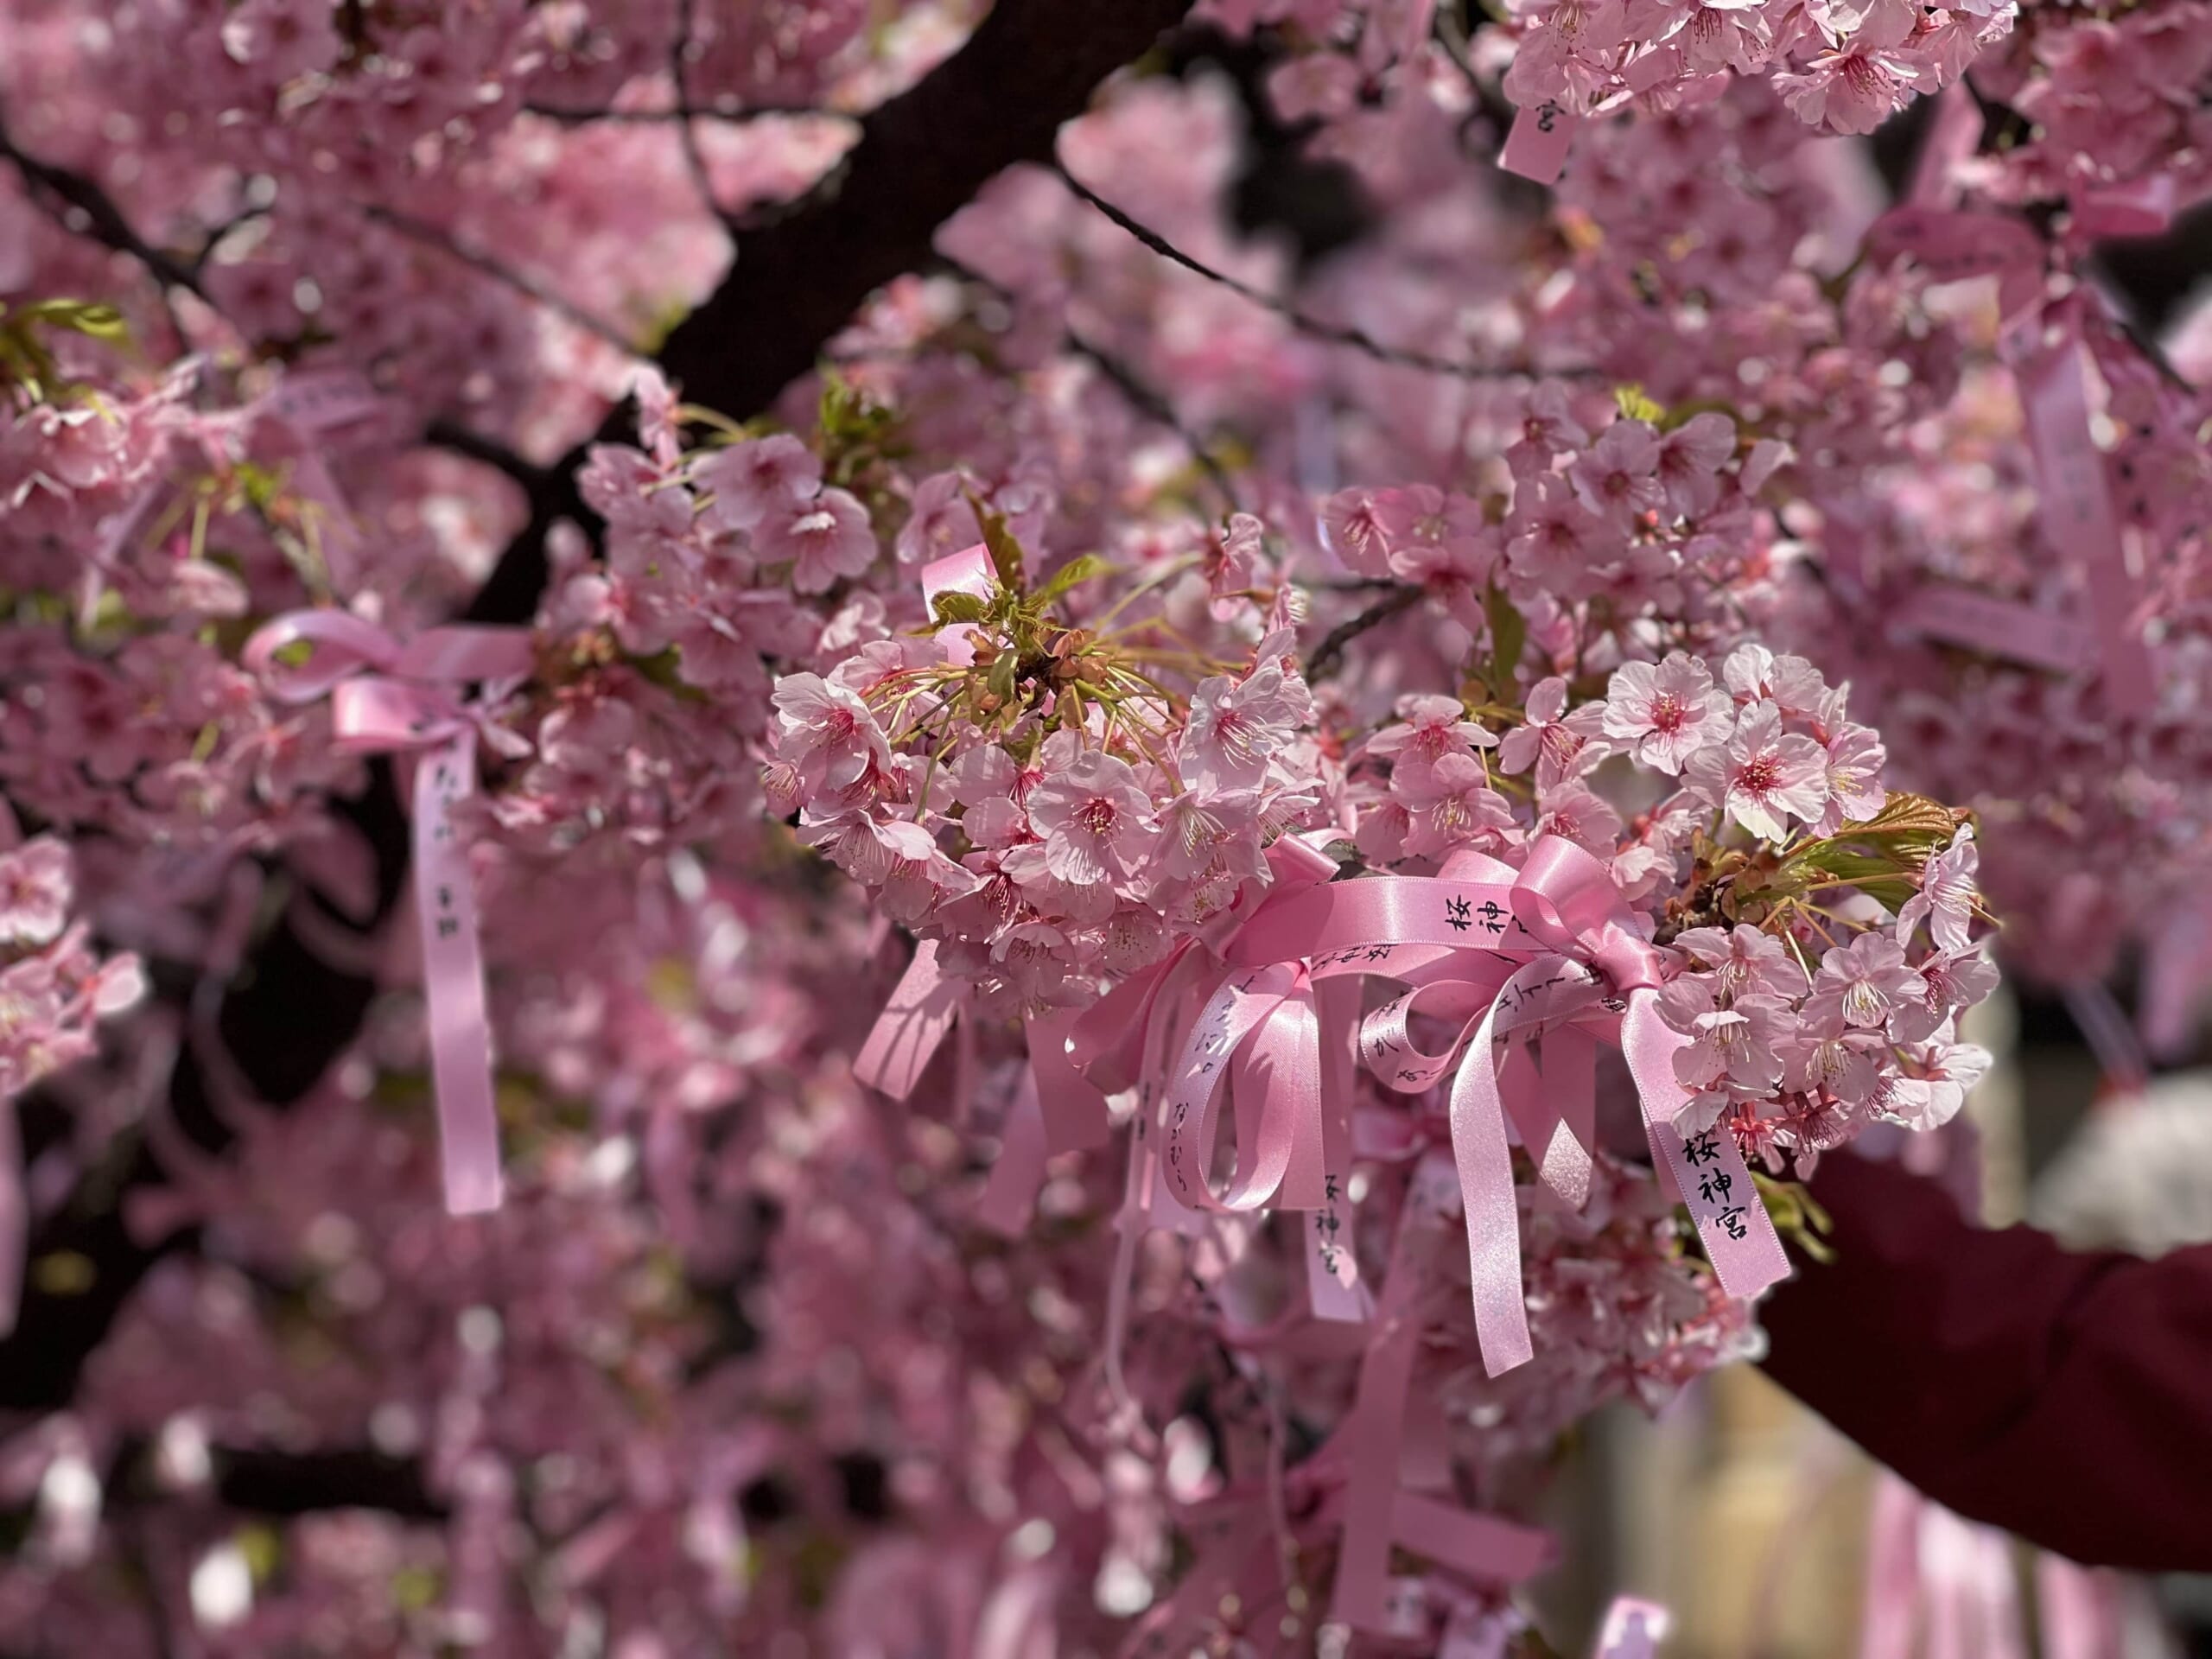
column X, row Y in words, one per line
column 1636, row 406
column 956, row 606
column 1006, row 552
column 1075, row 572
column 1004, row 668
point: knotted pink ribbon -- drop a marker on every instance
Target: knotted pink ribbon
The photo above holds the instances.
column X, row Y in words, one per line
column 1560, row 910
column 387, row 697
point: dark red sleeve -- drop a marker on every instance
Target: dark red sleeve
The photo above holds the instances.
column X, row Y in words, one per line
column 2066, row 1397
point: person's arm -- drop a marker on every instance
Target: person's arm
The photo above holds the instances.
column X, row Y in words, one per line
column 2065, row 1397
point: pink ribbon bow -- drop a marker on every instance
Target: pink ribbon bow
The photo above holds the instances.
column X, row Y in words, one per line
column 1549, row 926
column 387, row 697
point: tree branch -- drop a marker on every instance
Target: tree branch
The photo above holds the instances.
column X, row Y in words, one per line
column 1333, row 642
column 1333, row 334
column 1030, row 66
column 105, row 220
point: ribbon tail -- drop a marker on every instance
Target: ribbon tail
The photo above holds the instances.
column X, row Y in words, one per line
column 1493, row 1210
column 1892, row 1571
column 1076, row 1117
column 452, row 978
column 1011, row 1192
column 1371, row 1439
column 906, row 1034
column 1334, row 1291
column 1709, row 1173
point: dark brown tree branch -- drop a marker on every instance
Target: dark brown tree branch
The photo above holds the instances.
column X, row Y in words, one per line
column 1333, row 642
column 1030, row 66
column 103, row 220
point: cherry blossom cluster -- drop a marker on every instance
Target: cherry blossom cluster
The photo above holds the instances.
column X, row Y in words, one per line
column 54, row 985
column 2115, row 101
column 1840, row 68
column 1811, row 1011
column 1843, row 68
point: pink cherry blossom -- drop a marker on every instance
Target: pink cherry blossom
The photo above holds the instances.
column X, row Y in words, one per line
column 1762, row 776
column 1664, row 713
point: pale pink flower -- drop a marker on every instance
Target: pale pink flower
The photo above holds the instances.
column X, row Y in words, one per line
column 1866, row 983
column 1664, row 713
column 1761, row 776
column 1855, row 759
column 1690, row 459
column 1938, row 1076
column 757, row 479
column 1351, row 525
column 825, row 538
column 939, row 521
column 34, row 891
column 1235, row 726
column 1824, row 1052
column 1579, row 814
column 1559, row 744
column 1853, row 91
column 1552, row 541
column 1618, row 477
column 1452, row 804
column 826, row 732
column 1095, row 819
column 1951, row 982
column 1550, row 428
column 1947, row 893
column 1744, row 961
column 1754, row 674
column 1736, row 1048
column 1432, row 726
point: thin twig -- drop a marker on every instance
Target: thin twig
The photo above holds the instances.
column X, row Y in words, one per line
column 657, row 117
column 687, row 131
column 1335, row 333
column 432, row 236
column 1147, row 402
column 105, row 220
column 1154, row 407
column 1333, row 642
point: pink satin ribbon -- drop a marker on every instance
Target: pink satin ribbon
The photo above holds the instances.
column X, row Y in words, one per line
column 1510, row 947
column 1998, row 627
column 1929, row 1570
column 1374, row 1513
column 1953, row 244
column 2076, row 507
column 1952, row 136
column 387, row 697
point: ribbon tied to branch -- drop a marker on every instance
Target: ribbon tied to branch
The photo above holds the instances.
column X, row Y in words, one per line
column 393, row 697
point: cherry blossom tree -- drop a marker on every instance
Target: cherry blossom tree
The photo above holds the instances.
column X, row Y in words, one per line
column 696, row 694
